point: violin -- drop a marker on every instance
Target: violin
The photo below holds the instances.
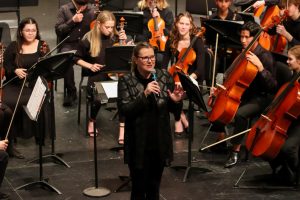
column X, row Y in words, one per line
column 226, row 98
column 97, row 11
column 268, row 134
column 186, row 57
column 276, row 43
column 156, row 26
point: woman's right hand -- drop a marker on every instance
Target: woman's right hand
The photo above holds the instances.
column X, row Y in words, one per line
column 152, row 87
column 212, row 91
column 96, row 67
column 21, row 73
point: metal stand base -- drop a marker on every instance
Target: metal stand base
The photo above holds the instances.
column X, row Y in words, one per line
column 188, row 169
column 96, row 192
column 55, row 157
column 43, row 184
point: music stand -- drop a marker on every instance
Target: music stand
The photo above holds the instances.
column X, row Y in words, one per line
column 52, row 68
column 42, row 182
column 112, row 5
column 134, row 21
column 228, row 32
column 195, row 97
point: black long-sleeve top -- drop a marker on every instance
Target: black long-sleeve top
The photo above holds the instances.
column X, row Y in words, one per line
column 265, row 81
column 165, row 14
column 66, row 26
column 25, row 60
column 198, row 65
column 293, row 27
column 147, row 119
column 231, row 16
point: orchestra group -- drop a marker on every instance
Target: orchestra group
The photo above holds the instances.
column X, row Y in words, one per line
column 251, row 95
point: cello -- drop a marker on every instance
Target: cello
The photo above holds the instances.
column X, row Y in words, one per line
column 226, row 98
column 156, row 26
column 186, row 57
column 268, row 134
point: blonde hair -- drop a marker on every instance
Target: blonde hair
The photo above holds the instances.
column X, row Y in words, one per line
column 94, row 35
column 161, row 4
column 295, row 50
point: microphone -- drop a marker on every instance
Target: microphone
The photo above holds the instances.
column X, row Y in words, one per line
column 154, row 77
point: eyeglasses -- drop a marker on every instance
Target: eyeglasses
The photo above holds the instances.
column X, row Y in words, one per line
column 147, row 58
column 30, row 30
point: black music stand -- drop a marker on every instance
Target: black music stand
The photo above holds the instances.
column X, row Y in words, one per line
column 134, row 21
column 195, row 97
column 52, row 68
column 95, row 191
column 41, row 182
column 228, row 32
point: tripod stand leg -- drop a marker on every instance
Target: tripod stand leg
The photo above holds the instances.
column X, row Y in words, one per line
column 57, row 159
column 42, row 183
column 186, row 174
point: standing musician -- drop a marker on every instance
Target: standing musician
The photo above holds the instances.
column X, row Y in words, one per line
column 19, row 56
column 288, row 158
column 258, row 95
column 145, row 98
column 224, row 12
column 183, row 32
column 291, row 27
column 152, row 9
column 73, row 20
column 91, row 55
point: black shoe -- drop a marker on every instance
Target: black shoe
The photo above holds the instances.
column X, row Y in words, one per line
column 3, row 195
column 14, row 153
column 232, row 159
column 67, row 101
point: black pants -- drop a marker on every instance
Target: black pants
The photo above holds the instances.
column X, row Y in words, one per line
column 146, row 180
column 96, row 101
column 289, row 153
column 5, row 117
column 3, row 164
column 69, row 80
column 248, row 109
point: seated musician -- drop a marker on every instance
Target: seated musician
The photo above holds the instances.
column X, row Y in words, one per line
column 91, row 55
column 182, row 34
column 288, row 158
column 256, row 4
column 291, row 27
column 259, row 93
column 151, row 9
column 224, row 12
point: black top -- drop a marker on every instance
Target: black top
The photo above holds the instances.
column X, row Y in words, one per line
column 265, row 81
column 147, row 119
column 293, row 27
column 198, row 65
column 25, row 60
column 166, row 14
column 66, row 26
column 231, row 16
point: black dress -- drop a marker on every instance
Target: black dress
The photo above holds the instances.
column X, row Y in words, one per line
column 22, row 125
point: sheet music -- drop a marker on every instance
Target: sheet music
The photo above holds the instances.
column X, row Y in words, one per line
column 36, row 99
column 110, row 89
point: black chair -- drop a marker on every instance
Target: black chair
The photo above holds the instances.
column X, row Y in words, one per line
column 283, row 73
column 5, row 34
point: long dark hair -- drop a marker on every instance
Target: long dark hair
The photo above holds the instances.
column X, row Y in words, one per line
column 175, row 36
column 20, row 38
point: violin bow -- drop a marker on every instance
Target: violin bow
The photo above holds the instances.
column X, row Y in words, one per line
column 215, row 61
